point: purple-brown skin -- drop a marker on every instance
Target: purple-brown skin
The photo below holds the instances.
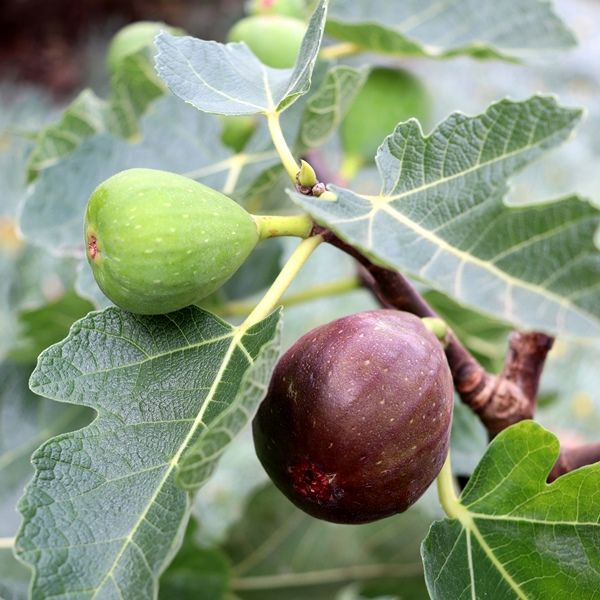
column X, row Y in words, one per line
column 356, row 423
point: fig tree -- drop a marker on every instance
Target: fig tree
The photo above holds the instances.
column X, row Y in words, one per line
column 356, row 421
column 388, row 97
column 274, row 39
column 158, row 241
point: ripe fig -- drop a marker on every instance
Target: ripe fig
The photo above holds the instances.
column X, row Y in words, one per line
column 274, row 39
column 388, row 97
column 158, row 241
column 356, row 422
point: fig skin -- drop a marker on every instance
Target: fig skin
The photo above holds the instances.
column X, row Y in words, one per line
column 274, row 39
column 388, row 97
column 355, row 425
column 158, row 241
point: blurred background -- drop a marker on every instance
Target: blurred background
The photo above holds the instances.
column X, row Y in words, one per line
column 50, row 50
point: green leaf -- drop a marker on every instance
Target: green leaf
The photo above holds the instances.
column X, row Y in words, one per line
column 103, row 515
column 26, row 420
column 327, row 108
column 515, row 536
column 228, row 79
column 175, row 137
column 440, row 217
column 197, row 573
column 44, row 326
column 505, row 29
column 84, row 117
column 280, row 553
column 133, row 87
column 14, row 577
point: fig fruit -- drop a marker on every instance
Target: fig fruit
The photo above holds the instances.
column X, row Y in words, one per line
column 388, row 97
column 158, row 241
column 133, row 38
column 274, row 39
column 237, row 130
column 288, row 8
column 355, row 425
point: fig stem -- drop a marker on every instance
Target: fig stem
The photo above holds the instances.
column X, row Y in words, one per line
column 285, row 154
column 7, row 542
column 446, row 488
column 291, row 268
column 275, row 226
column 316, row 292
column 438, row 327
column 339, row 50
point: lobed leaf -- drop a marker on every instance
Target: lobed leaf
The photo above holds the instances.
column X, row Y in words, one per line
column 515, row 536
column 228, row 79
column 103, row 515
column 440, row 217
column 506, row 29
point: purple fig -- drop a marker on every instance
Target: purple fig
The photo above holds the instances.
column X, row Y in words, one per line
column 356, row 422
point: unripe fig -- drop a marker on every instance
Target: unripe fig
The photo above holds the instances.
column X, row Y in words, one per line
column 388, row 97
column 288, row 8
column 274, row 39
column 237, row 130
column 132, row 38
column 355, row 425
column 158, row 241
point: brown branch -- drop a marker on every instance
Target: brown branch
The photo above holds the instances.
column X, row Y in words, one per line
column 574, row 457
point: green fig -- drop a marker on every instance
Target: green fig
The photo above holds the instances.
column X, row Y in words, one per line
column 133, row 38
column 237, row 130
column 158, row 241
column 288, row 8
column 274, row 39
column 356, row 422
column 388, row 97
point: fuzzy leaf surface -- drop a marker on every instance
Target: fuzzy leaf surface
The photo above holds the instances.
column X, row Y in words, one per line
column 516, row 536
column 327, row 108
column 103, row 515
column 228, row 79
column 440, row 216
column 508, row 29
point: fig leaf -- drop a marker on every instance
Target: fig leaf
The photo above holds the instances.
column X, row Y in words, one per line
column 228, row 79
column 521, row 28
column 512, row 526
column 104, row 505
column 440, row 216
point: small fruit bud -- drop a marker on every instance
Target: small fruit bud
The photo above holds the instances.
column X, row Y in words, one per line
column 319, row 189
column 306, row 176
